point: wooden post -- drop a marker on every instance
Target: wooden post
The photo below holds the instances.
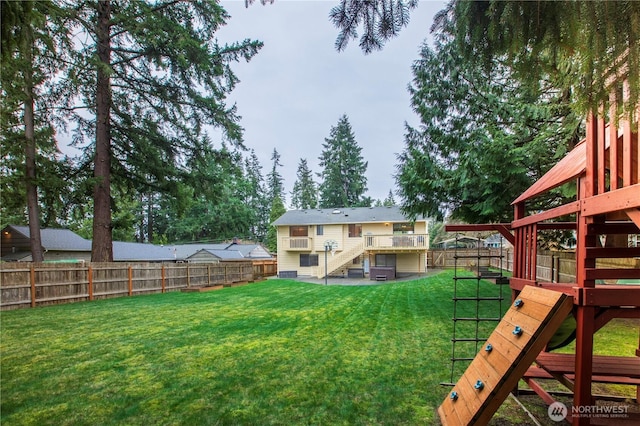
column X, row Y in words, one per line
column 130, row 272
column 208, row 275
column 163, row 278
column 188, row 277
column 90, row 278
column 32, row 279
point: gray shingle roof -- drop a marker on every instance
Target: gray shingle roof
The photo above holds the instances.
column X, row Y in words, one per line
column 58, row 239
column 222, row 254
column 182, row 251
column 342, row 215
column 140, row 252
column 253, row 251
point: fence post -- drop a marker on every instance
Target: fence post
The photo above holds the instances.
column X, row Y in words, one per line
column 32, row 278
column 130, row 270
column 188, row 277
column 208, row 275
column 90, row 279
column 163, row 275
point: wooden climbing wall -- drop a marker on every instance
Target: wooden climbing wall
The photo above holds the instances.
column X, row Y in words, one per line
column 512, row 347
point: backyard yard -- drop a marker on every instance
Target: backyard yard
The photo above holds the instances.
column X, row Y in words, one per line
column 274, row 352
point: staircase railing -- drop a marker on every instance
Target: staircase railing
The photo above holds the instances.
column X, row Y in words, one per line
column 336, row 261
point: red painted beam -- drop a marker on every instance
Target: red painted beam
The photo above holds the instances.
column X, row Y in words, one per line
column 609, row 295
column 613, row 201
column 547, row 215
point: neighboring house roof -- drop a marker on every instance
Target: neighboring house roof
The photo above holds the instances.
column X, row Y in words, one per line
column 253, row 251
column 220, row 254
column 55, row 239
column 183, row 251
column 67, row 240
column 140, row 252
column 497, row 239
column 342, row 216
column 462, row 240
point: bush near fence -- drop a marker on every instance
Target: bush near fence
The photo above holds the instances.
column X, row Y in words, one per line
column 552, row 266
column 38, row 284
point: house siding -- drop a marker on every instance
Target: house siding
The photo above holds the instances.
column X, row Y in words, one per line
column 289, row 260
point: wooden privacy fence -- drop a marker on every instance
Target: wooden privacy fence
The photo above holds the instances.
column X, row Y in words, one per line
column 558, row 267
column 37, row 284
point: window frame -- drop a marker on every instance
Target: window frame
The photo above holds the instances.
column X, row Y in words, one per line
column 293, row 229
column 311, row 260
column 355, row 230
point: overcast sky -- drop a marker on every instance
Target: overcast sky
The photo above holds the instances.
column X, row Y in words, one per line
column 298, row 86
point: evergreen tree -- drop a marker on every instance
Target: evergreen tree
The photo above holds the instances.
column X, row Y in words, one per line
column 32, row 33
column 343, row 176
column 576, row 43
column 277, row 210
column 217, row 208
column 158, row 77
column 484, row 138
column 275, row 188
column 256, row 197
column 389, row 201
column 305, row 194
column 381, row 20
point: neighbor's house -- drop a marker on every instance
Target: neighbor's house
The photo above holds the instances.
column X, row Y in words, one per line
column 65, row 245
column 213, row 253
column 58, row 244
column 379, row 242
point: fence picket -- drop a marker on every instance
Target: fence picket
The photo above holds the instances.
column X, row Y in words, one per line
column 49, row 283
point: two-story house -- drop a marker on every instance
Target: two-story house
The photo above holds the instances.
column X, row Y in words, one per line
column 378, row 242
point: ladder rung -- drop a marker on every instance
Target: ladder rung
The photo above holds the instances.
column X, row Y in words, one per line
column 468, row 339
column 477, row 256
column 477, row 298
column 476, row 319
column 461, row 359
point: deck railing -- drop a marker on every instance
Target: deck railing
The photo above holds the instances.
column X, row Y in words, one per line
column 396, row 242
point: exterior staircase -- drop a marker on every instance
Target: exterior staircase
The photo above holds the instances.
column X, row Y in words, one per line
column 335, row 262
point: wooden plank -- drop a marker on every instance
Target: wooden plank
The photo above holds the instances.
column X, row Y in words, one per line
column 512, row 355
column 613, row 252
column 612, row 201
column 498, row 357
column 603, row 365
column 610, row 295
column 604, row 274
column 469, row 397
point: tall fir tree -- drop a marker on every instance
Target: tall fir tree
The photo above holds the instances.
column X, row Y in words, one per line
column 159, row 76
column 256, row 197
column 343, row 175
column 305, row 193
column 275, row 186
column 277, row 210
column 33, row 39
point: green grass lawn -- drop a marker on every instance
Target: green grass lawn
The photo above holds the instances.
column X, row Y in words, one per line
column 275, row 352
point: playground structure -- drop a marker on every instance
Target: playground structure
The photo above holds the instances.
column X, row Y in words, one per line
column 604, row 166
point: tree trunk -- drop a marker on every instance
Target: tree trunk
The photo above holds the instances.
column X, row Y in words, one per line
column 33, row 209
column 150, row 200
column 102, row 245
